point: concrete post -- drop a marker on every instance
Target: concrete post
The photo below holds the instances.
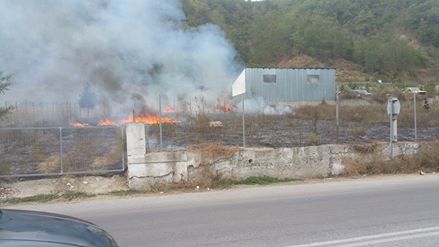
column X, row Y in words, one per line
column 136, row 142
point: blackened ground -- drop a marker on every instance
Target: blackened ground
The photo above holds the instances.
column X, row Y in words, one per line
column 279, row 131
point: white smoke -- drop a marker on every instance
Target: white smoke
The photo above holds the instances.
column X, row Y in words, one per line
column 127, row 51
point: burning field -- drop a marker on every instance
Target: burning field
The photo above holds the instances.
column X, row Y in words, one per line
column 145, row 119
column 98, row 144
column 222, row 123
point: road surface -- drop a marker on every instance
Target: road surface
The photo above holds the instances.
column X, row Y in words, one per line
column 379, row 211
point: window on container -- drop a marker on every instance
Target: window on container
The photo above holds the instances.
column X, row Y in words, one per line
column 313, row 78
column 269, row 78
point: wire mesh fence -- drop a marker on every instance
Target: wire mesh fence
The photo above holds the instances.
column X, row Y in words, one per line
column 60, row 151
column 280, row 131
column 67, row 150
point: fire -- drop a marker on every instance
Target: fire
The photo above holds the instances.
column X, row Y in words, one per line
column 106, row 122
column 148, row 119
column 226, row 107
column 78, row 125
column 229, row 108
column 169, row 110
column 223, row 104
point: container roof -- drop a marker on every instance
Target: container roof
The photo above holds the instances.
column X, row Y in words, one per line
column 282, row 68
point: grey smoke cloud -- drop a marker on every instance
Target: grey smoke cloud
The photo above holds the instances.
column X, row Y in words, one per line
column 124, row 49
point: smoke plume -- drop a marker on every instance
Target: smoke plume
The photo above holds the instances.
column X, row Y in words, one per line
column 127, row 51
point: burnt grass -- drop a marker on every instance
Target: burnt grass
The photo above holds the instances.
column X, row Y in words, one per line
column 278, row 131
column 29, row 151
column 39, row 151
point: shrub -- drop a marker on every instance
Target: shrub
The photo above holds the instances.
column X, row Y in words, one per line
column 358, row 132
column 315, row 139
column 4, row 168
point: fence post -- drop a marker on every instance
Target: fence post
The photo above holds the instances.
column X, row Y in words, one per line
column 160, row 121
column 243, row 121
column 122, row 132
column 337, row 112
column 61, row 150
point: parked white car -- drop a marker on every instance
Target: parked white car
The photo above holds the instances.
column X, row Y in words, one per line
column 362, row 92
column 415, row 90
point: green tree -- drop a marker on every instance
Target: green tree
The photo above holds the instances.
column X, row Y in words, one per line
column 88, row 99
column 4, row 85
column 392, row 38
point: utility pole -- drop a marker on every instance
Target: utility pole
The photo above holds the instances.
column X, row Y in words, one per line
column 393, row 109
column 414, row 116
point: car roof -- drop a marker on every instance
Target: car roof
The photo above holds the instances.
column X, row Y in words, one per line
column 20, row 243
column 39, row 227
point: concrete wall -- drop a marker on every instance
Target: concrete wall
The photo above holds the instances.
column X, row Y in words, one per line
column 61, row 185
column 146, row 170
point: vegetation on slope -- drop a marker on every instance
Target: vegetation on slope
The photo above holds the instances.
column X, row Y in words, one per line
column 391, row 39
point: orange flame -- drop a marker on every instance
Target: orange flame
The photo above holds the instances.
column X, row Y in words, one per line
column 169, row 110
column 229, row 108
column 78, row 125
column 224, row 108
column 106, row 122
column 148, row 119
column 223, row 104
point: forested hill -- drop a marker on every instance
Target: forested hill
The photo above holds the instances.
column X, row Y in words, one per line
column 365, row 39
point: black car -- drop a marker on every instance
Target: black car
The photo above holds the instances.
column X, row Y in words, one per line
column 35, row 229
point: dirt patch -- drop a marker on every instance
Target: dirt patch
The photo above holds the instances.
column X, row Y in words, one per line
column 299, row 61
column 70, row 184
column 346, row 71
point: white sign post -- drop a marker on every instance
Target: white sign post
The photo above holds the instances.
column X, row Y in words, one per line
column 238, row 88
column 393, row 109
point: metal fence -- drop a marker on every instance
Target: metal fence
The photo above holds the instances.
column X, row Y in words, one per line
column 67, row 150
column 26, row 152
column 281, row 131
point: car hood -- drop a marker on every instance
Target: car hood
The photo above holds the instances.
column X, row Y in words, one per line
column 23, row 225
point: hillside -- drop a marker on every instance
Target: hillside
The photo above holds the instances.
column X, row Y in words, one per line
column 395, row 40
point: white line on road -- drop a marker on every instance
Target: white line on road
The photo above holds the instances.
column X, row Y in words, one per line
column 377, row 238
column 387, row 240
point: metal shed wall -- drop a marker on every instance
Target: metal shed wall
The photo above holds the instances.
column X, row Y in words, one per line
column 292, row 85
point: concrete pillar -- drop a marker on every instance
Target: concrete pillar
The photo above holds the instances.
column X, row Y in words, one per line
column 136, row 143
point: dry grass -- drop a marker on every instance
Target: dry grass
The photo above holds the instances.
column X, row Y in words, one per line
column 424, row 118
column 371, row 161
column 358, row 131
column 5, row 168
column 365, row 149
column 80, row 156
column 113, row 157
column 203, row 176
column 211, row 152
column 50, row 165
column 316, row 112
column 364, row 113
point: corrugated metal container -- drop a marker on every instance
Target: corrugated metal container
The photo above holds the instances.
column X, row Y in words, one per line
column 290, row 85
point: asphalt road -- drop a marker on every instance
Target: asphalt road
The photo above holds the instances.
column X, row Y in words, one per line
column 380, row 211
